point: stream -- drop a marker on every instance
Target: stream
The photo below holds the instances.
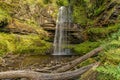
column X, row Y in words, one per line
column 40, row 63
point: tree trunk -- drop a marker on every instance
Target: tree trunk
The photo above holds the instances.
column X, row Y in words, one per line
column 79, row 60
column 46, row 76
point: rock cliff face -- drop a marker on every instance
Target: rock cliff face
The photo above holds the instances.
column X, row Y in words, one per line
column 75, row 33
column 21, row 16
column 107, row 13
column 34, row 12
column 20, row 30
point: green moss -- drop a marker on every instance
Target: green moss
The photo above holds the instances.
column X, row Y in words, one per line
column 8, row 7
column 85, row 47
column 79, row 15
column 3, row 47
column 13, row 43
column 87, row 62
column 6, row 44
column 62, row 2
column 98, row 33
column 4, row 18
column 110, row 68
column 31, row 44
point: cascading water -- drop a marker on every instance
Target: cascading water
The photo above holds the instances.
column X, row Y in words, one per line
column 63, row 23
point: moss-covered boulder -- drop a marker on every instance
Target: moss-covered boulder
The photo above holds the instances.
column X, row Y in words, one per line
column 85, row 47
column 4, row 18
column 20, row 27
column 14, row 43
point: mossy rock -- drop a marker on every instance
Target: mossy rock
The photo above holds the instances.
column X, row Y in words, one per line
column 85, row 47
column 101, row 32
column 32, row 45
column 8, row 7
column 19, row 27
column 4, row 18
column 23, row 44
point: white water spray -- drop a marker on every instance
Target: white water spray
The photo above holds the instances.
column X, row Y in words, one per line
column 63, row 22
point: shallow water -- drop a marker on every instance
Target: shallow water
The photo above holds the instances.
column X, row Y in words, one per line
column 35, row 62
column 44, row 61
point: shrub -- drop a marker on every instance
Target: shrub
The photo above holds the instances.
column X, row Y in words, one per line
column 111, row 72
column 110, row 68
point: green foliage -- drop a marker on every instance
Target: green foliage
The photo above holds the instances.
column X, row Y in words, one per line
column 3, row 47
column 114, row 40
column 111, row 72
column 85, row 47
column 79, row 15
column 87, row 62
column 99, row 10
column 4, row 18
column 47, row 1
column 110, row 59
column 101, row 32
column 22, row 44
column 109, row 68
column 5, row 43
column 7, row 7
column 62, row 2
column 30, row 44
column 79, row 12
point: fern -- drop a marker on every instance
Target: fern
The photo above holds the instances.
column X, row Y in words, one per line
column 113, row 71
column 110, row 68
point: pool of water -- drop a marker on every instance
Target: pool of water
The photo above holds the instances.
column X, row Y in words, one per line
column 35, row 61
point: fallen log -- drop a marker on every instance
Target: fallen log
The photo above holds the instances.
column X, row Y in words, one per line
column 79, row 60
column 48, row 70
column 32, row 75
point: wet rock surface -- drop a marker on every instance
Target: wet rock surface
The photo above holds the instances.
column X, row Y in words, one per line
column 74, row 33
column 39, row 63
column 21, row 62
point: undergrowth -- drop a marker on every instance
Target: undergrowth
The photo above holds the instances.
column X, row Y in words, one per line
column 85, row 47
column 110, row 67
column 13, row 43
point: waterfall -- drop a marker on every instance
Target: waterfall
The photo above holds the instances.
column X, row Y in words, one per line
column 63, row 23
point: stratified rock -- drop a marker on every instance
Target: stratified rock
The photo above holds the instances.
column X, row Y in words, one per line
column 17, row 27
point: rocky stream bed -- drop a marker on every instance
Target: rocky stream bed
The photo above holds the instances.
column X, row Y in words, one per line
column 39, row 63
